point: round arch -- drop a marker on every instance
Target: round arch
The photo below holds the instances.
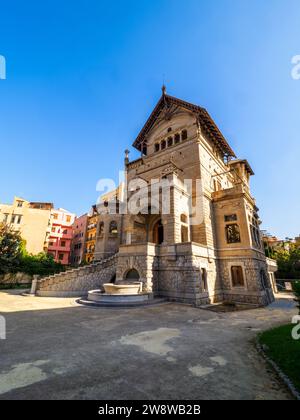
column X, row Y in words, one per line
column 132, row 274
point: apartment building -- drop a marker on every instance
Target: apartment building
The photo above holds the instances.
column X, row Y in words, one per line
column 60, row 237
column 31, row 219
column 91, row 235
column 79, row 239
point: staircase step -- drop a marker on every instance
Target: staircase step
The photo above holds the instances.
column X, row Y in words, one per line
column 152, row 302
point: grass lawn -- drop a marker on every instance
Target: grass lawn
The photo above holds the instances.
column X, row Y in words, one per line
column 283, row 350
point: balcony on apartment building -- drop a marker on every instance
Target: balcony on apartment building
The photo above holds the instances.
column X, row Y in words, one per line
column 61, row 246
column 62, row 233
column 92, row 226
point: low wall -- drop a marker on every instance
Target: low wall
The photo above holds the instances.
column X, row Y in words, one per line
column 11, row 279
column 79, row 281
column 285, row 285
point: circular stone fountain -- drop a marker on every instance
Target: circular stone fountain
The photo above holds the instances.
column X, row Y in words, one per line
column 119, row 295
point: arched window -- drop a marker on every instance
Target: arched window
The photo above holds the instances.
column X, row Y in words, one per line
column 158, row 233
column 237, row 276
column 183, row 219
column 101, row 228
column 204, row 279
column 163, row 145
column 177, row 138
column 157, row 147
column 170, row 141
column 144, row 150
column 113, row 228
column 184, row 135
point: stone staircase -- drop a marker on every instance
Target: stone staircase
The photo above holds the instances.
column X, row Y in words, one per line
column 77, row 282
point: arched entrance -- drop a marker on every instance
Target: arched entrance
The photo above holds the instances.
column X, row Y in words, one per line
column 158, row 233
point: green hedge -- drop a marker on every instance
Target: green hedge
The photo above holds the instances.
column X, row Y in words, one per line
column 42, row 264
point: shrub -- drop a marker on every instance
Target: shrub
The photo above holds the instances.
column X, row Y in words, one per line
column 296, row 289
column 14, row 257
column 41, row 264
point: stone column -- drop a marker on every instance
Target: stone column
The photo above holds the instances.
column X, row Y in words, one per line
column 34, row 285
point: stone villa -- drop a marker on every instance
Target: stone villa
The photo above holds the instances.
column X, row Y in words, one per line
column 207, row 247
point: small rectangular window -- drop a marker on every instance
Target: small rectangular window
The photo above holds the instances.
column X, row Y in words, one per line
column 13, row 218
column 237, row 276
column 231, row 218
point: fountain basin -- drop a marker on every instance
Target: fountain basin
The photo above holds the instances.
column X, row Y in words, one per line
column 118, row 299
column 123, row 289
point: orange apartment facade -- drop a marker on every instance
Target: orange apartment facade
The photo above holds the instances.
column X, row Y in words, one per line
column 91, row 235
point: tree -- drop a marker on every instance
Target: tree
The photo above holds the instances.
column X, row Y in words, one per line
column 14, row 257
column 296, row 288
column 11, row 248
column 288, row 261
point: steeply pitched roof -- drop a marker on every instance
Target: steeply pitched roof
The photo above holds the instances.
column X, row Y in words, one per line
column 205, row 120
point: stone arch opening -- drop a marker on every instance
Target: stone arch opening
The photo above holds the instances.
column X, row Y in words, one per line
column 113, row 279
column 132, row 275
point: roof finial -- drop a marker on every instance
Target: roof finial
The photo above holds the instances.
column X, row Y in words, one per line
column 126, row 156
column 164, row 89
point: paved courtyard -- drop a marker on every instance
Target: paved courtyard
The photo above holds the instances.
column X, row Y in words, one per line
column 56, row 349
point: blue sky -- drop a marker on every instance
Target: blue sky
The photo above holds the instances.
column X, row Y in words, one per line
column 83, row 76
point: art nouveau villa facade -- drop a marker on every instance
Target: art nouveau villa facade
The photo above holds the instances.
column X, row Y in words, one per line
column 215, row 257
column 222, row 257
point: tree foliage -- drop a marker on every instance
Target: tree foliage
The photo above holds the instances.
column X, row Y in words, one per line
column 11, row 248
column 14, row 257
column 288, row 260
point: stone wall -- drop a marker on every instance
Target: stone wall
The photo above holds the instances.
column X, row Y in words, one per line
column 253, row 292
column 15, row 278
column 79, row 281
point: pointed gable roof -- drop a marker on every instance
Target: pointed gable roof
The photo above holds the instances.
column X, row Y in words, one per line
column 206, row 122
